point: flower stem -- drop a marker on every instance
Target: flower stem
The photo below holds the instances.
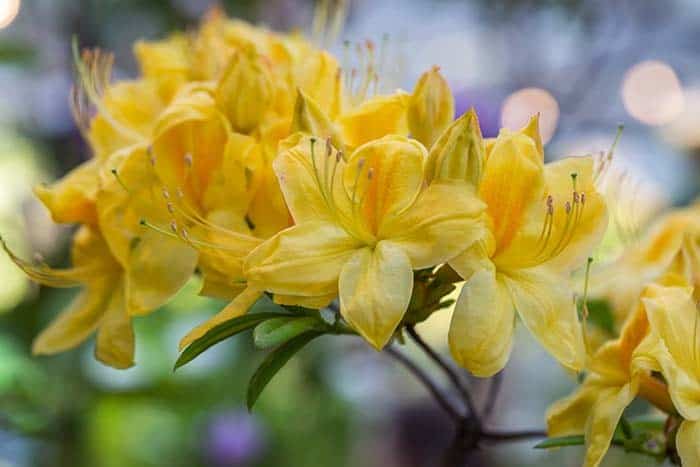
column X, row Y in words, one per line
column 449, row 372
column 429, row 384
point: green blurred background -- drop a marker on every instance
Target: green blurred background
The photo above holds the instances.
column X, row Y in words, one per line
column 338, row 403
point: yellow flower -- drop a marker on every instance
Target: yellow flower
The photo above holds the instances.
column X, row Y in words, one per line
column 362, row 225
column 99, row 307
column 431, row 108
column 619, row 372
column 675, row 318
column 542, row 223
column 672, row 245
column 370, row 120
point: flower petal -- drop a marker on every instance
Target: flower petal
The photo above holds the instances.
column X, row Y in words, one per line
column 306, row 302
column 605, row 415
column 688, row 442
column 432, row 236
column 674, row 317
column 383, row 178
column 302, row 260
column 481, row 331
column 568, row 416
column 78, row 320
column 72, row 198
column 239, row 306
column 511, row 185
column 375, row 289
column 375, row 118
column 545, row 303
column 115, row 334
column 306, row 172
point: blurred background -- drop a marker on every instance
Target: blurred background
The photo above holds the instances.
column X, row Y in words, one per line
column 587, row 66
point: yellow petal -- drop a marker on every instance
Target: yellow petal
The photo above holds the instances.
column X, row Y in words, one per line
column 568, row 416
column 481, row 331
column 309, row 118
column 179, row 162
column 158, row 268
column 605, row 415
column 473, row 259
column 115, row 335
column 72, row 199
column 383, row 178
column 318, row 76
column 688, row 443
column 544, row 301
column 431, row 236
column 306, row 302
column 239, row 306
column 375, row 118
column 674, row 317
column 577, row 221
column 302, row 260
column 306, row 173
column 78, row 321
column 459, row 153
column 512, row 185
column 375, row 289
column 166, row 61
column 126, row 116
column 245, row 90
column 431, row 107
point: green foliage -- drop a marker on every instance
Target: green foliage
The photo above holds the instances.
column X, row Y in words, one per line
column 430, row 289
column 561, row 441
column 223, row 331
column 274, row 362
column 276, row 331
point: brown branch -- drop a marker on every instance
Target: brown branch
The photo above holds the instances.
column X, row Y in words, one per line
column 426, row 380
column 504, row 436
column 449, row 371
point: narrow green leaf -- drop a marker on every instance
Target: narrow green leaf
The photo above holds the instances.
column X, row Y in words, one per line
column 573, row 440
column 276, row 331
column 223, row 331
column 274, row 362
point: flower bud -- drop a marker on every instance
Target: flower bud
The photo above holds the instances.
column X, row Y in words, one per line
column 459, row 152
column 244, row 92
column 431, row 108
column 311, row 120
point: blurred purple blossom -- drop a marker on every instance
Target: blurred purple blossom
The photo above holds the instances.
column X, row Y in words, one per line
column 233, row 438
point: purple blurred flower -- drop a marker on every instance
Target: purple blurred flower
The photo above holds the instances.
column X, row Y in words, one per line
column 486, row 102
column 234, row 438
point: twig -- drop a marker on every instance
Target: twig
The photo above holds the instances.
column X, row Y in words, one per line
column 426, row 381
column 494, row 389
column 512, row 435
column 449, row 371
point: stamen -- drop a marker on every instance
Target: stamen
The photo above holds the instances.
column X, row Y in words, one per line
column 584, row 307
column 119, row 179
column 188, row 160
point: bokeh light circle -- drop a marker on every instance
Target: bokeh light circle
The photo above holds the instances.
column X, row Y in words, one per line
column 520, row 106
column 8, row 12
column 652, row 93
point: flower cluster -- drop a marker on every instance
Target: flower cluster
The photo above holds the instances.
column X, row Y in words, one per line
column 266, row 166
column 654, row 291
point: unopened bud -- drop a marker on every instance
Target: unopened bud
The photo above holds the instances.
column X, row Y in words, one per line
column 431, row 107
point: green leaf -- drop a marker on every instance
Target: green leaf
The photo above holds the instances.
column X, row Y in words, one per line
column 274, row 362
column 276, row 331
column 223, row 331
column 573, row 440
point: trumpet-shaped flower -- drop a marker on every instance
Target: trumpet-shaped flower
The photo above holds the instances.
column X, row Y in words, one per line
column 431, row 108
column 672, row 245
column 675, row 318
column 362, row 224
column 543, row 221
column 99, row 307
column 618, row 372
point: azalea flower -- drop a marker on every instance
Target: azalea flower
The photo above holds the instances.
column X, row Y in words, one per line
column 675, row 318
column 618, row 372
column 542, row 222
column 362, row 225
column 672, row 245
